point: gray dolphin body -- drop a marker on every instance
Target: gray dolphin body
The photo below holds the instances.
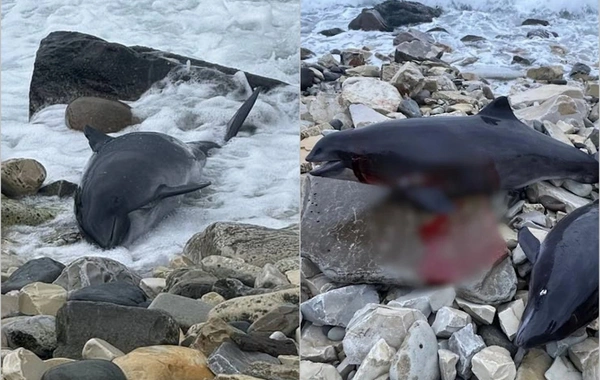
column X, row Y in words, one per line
column 133, row 181
column 563, row 288
column 429, row 160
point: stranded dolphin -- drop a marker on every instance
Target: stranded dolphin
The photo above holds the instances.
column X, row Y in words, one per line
column 563, row 289
column 133, row 181
column 429, row 160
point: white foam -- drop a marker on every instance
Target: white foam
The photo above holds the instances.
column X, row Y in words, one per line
column 254, row 176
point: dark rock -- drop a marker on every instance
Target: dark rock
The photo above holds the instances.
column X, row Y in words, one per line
column 124, row 327
column 472, row 38
column 317, row 66
column 38, row 270
column 189, row 282
column 306, row 53
column 421, row 96
column 409, row 108
column 229, row 359
column 91, row 270
column 352, row 58
column 369, row 19
column 119, row 293
column 336, row 51
column 415, row 50
column 331, row 32
column 36, row 334
column 71, row 64
column 85, row 370
column 437, row 29
column 260, row 342
column 336, row 124
column 243, row 325
column 520, row 60
column 580, row 70
column 411, row 35
column 285, row 319
column 493, row 336
column 232, row 288
column 331, row 76
column 561, row 82
column 401, row 13
column 487, row 92
column 59, row 188
column 535, row 21
column 307, row 77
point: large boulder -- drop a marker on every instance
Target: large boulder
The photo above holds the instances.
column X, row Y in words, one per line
column 22, row 176
column 335, row 213
column 125, row 327
column 391, row 14
column 71, row 64
column 105, row 115
column 85, row 370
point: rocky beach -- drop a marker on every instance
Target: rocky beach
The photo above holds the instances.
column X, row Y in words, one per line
column 369, row 62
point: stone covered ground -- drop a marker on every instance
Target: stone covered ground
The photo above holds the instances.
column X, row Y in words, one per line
column 352, row 330
column 225, row 308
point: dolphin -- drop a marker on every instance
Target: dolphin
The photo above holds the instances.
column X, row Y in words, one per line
column 563, row 288
column 133, row 181
column 428, row 161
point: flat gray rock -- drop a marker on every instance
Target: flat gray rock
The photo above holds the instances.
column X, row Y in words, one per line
column 229, row 359
column 465, row 343
column 36, row 334
column 497, row 286
column 186, row 311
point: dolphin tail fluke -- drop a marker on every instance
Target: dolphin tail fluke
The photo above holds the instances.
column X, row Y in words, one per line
column 236, row 122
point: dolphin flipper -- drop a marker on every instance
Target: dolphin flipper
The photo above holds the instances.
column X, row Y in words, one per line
column 529, row 244
column 234, row 125
column 164, row 191
column 96, row 138
column 429, row 199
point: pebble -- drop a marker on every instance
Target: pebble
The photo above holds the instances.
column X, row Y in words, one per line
column 377, row 362
column 560, row 347
column 153, row 286
column 190, row 282
column 39, row 298
column 210, row 335
column 293, row 276
column 580, row 353
column 185, row 311
column 225, row 267
column 284, row 318
column 337, row 307
column 104, row 115
column 318, row 371
column 85, row 369
column 493, row 363
column 465, row 343
column 449, row 320
column 37, row 334
column 100, row 349
column 374, row 322
column 336, row 333
column 229, row 359
column 510, row 317
column 44, row 270
column 251, row 308
column 212, row 298
column 562, row 369
column 481, row 313
column 270, row 277
column 316, row 346
column 447, row 361
column 493, row 336
column 497, row 286
column 534, row 365
column 417, row 355
column 22, row 176
column 22, row 364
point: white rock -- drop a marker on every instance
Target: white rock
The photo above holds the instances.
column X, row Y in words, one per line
column 580, row 189
column 454, row 97
column 374, row 322
column 449, row 320
column 591, row 371
column 481, row 313
column 426, row 300
column 212, row 298
column 554, row 109
column 318, row 371
column 494, row 363
column 510, row 317
column 270, row 277
column 560, row 347
column 376, row 94
column 10, row 304
column 362, row 115
column 315, row 344
column 39, row 298
column 152, row 286
column 293, row 276
column 324, row 107
column 540, row 94
column 22, row 364
column 51, row 363
column 556, row 133
column 96, row 348
column 537, row 191
column 409, row 78
column 377, row 362
column 562, row 369
column 580, row 353
column 447, row 361
column 417, row 356
column 419, row 302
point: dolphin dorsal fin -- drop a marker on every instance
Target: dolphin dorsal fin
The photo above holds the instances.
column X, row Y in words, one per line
column 499, row 108
column 234, row 125
column 529, row 244
column 96, row 138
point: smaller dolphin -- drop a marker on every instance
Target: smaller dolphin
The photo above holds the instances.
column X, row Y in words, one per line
column 563, row 288
column 430, row 160
column 133, row 181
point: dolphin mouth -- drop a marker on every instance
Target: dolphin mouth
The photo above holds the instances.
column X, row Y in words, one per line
column 335, row 170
